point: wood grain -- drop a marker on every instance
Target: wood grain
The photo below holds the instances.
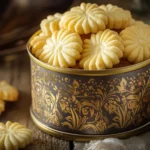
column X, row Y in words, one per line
column 16, row 70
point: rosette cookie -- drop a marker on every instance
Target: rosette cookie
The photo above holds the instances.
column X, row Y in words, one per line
column 136, row 40
column 37, row 44
column 8, row 92
column 102, row 50
column 62, row 49
column 51, row 24
column 118, row 18
column 14, row 136
column 2, row 106
column 85, row 19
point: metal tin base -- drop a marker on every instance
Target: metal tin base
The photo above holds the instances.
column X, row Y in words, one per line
column 84, row 138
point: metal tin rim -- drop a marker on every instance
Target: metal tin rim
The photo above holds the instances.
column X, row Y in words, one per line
column 82, row 72
column 85, row 138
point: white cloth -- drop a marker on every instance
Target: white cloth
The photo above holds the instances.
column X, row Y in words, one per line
column 141, row 142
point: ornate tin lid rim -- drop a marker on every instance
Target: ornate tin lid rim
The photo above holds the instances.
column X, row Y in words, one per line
column 105, row 72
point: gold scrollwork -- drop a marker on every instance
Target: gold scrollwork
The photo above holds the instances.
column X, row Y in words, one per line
column 90, row 104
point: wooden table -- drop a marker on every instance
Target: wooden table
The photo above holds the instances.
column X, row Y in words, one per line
column 16, row 70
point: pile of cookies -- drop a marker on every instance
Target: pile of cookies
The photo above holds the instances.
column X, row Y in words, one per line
column 91, row 37
column 7, row 93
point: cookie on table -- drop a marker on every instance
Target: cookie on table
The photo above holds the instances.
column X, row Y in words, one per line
column 14, row 136
column 2, row 106
column 118, row 18
column 37, row 44
column 8, row 92
column 102, row 50
column 62, row 49
column 51, row 24
column 85, row 19
column 136, row 40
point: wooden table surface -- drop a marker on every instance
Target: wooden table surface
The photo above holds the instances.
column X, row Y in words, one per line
column 16, row 70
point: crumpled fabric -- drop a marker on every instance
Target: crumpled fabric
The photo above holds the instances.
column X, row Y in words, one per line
column 141, row 142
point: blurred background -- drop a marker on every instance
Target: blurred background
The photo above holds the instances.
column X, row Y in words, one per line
column 19, row 19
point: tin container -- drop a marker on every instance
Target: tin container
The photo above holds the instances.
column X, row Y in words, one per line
column 80, row 105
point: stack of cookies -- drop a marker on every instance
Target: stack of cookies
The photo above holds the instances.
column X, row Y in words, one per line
column 92, row 37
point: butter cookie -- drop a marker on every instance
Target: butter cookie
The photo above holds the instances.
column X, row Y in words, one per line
column 14, row 136
column 8, row 92
column 118, row 18
column 37, row 44
column 102, row 50
column 85, row 19
column 62, row 49
column 51, row 24
column 136, row 40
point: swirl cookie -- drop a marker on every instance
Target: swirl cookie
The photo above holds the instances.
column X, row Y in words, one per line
column 62, row 49
column 37, row 44
column 14, row 136
column 102, row 50
column 51, row 24
column 2, row 106
column 85, row 19
column 8, row 92
column 136, row 40
column 118, row 18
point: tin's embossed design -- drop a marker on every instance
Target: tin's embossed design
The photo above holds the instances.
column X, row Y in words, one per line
column 91, row 105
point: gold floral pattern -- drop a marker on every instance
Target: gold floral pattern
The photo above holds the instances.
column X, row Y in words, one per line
column 91, row 105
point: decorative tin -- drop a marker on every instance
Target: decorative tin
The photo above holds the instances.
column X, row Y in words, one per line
column 83, row 105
